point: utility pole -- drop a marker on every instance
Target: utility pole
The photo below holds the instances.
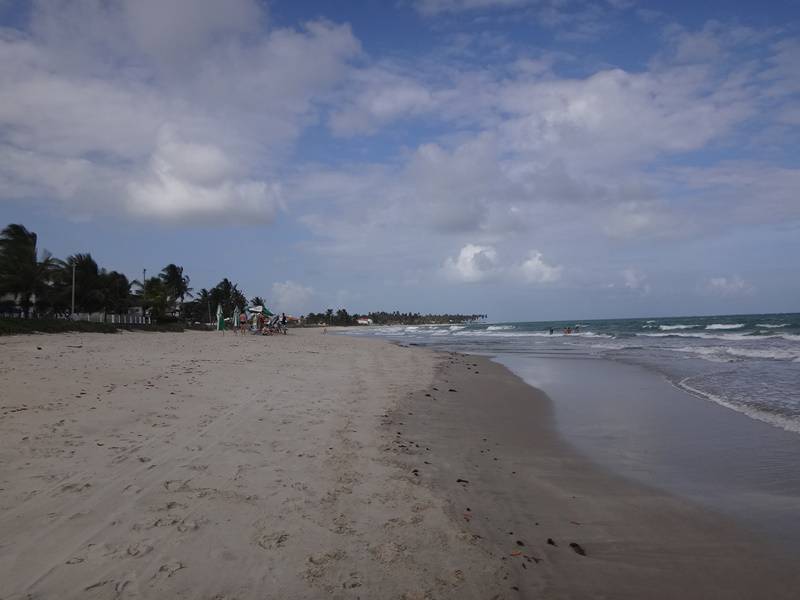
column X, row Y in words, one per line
column 144, row 279
column 73, row 291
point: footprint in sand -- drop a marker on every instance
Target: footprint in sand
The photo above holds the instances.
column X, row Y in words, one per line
column 388, row 552
column 75, row 487
column 169, row 569
column 354, row 580
column 272, row 541
column 139, row 549
column 318, row 563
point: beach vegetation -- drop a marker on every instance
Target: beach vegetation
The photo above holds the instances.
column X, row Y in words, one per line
column 204, row 305
column 26, row 326
column 176, row 283
column 24, row 273
column 36, row 284
column 155, row 298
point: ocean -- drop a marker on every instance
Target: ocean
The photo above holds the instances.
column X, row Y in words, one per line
column 746, row 363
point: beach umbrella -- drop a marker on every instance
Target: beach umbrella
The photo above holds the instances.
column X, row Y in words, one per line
column 235, row 317
column 220, row 319
column 268, row 312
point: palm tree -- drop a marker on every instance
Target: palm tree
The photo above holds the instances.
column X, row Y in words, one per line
column 175, row 282
column 155, row 297
column 22, row 273
column 88, row 286
column 257, row 301
column 204, row 304
column 116, row 291
column 228, row 295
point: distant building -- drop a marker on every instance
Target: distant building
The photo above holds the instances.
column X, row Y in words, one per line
column 364, row 321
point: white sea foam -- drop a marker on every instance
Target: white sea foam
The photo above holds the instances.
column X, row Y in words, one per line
column 770, row 326
column 711, row 354
column 725, row 326
column 457, row 327
column 724, row 353
column 704, row 336
column 499, row 327
column 611, row 346
column 673, row 327
column 772, row 419
column 772, row 353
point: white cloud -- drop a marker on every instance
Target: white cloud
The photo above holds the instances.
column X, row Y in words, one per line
column 535, row 270
column 635, row 280
column 190, row 181
column 473, row 264
column 185, row 110
column 728, row 286
column 381, row 96
column 291, row 297
column 177, row 111
column 435, row 7
column 479, row 263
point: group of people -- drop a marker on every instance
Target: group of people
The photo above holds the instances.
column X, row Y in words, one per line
column 568, row 330
column 277, row 324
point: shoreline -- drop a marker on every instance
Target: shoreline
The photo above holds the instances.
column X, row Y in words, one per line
column 528, row 486
column 634, row 421
column 196, row 465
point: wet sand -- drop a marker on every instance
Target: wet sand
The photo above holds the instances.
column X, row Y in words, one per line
column 320, row 466
column 486, row 440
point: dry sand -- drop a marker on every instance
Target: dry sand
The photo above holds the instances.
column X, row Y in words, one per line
column 200, row 466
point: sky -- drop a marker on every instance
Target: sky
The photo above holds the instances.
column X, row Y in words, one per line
column 527, row 159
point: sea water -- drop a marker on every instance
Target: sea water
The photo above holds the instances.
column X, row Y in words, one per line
column 746, row 363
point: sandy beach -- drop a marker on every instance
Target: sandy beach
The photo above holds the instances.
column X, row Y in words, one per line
column 321, row 466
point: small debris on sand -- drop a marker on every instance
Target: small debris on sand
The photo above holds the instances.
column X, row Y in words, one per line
column 577, row 548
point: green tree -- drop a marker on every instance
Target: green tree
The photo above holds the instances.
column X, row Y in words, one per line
column 22, row 273
column 175, row 283
column 88, row 287
column 155, row 297
column 342, row 317
column 228, row 295
column 257, row 301
column 116, row 292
